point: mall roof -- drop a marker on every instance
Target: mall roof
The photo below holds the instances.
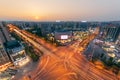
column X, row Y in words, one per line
column 12, row 44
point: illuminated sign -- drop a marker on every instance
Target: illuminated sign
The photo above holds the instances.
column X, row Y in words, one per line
column 64, row 36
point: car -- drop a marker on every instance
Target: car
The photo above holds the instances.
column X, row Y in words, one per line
column 12, row 73
column 14, row 70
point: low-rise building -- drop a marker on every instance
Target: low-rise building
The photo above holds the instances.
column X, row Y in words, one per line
column 63, row 37
column 16, row 52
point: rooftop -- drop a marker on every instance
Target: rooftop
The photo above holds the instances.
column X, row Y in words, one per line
column 12, row 44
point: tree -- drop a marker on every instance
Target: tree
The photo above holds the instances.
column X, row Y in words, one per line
column 101, row 56
column 118, row 64
column 110, row 61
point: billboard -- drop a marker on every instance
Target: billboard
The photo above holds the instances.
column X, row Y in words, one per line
column 64, row 36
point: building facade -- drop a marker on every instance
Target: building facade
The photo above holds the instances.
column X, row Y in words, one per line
column 4, row 34
column 63, row 37
column 5, row 61
column 3, row 55
column 111, row 33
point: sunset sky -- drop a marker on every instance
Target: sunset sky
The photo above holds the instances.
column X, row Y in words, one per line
column 51, row 10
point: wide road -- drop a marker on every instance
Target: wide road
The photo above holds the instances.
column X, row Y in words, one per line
column 63, row 63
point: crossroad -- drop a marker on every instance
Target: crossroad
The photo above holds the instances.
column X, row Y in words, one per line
column 63, row 63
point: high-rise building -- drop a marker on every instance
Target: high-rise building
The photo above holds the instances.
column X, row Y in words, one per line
column 4, row 35
column 111, row 33
column 3, row 55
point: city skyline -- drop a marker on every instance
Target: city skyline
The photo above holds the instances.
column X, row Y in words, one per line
column 64, row 10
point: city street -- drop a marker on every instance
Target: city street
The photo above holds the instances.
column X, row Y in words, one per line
column 63, row 63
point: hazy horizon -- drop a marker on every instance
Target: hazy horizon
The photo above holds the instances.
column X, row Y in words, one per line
column 64, row 10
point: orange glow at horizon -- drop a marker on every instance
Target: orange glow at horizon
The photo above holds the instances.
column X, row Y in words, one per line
column 36, row 17
column 59, row 10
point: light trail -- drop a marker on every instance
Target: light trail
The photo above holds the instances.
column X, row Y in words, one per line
column 64, row 63
column 67, row 74
column 45, row 64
